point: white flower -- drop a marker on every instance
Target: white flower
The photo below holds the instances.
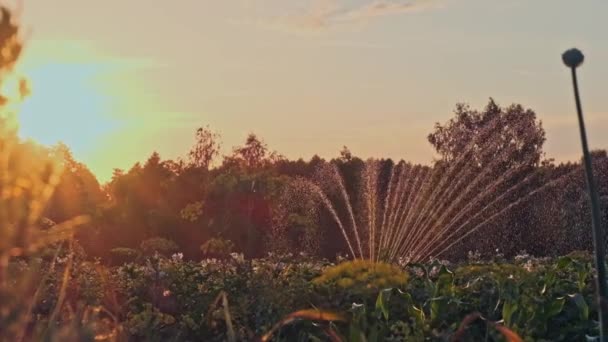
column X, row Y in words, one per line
column 60, row 260
column 177, row 257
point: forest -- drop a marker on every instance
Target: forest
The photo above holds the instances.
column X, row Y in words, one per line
column 207, row 205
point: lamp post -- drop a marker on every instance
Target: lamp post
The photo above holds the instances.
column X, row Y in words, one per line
column 573, row 58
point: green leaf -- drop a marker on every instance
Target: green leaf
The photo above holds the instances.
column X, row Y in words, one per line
column 357, row 324
column 508, row 309
column 555, row 307
column 444, row 283
column 373, row 335
column 564, row 262
column 550, row 279
column 438, row 306
column 581, row 304
column 382, row 302
column 418, row 314
column 412, row 310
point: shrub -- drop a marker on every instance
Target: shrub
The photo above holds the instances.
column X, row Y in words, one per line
column 158, row 245
column 217, row 248
column 363, row 276
column 123, row 255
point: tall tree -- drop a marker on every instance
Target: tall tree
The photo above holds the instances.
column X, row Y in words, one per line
column 252, row 156
column 206, row 148
column 488, row 161
column 78, row 191
column 345, row 154
column 492, row 130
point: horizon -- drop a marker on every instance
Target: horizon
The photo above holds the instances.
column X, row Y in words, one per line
column 347, row 73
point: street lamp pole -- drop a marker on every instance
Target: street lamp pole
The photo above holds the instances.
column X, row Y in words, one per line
column 574, row 58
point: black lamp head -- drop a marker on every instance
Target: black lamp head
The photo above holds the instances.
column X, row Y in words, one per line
column 573, row 58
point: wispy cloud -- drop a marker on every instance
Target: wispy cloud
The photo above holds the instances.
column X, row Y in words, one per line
column 319, row 15
column 383, row 8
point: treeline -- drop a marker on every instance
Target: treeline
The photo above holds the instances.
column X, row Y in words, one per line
column 203, row 206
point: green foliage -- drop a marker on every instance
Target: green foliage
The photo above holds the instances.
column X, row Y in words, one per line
column 217, row 247
column 159, row 245
column 362, row 276
column 510, row 126
column 205, row 149
column 171, row 299
column 123, row 255
column 192, row 212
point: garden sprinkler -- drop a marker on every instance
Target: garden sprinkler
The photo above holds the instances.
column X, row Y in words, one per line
column 573, row 58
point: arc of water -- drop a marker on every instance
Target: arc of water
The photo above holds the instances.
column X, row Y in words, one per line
column 404, row 207
column 400, row 202
column 457, row 167
column 489, row 190
column 397, row 204
column 414, row 199
column 440, row 231
column 387, row 207
column 402, row 228
column 371, row 194
column 428, row 228
column 489, row 219
column 479, row 213
column 325, row 200
column 405, row 226
column 349, row 207
column 431, row 201
column 425, row 226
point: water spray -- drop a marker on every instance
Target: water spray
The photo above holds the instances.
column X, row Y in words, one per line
column 574, row 58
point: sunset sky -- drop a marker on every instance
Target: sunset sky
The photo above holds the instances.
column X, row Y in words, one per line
column 118, row 79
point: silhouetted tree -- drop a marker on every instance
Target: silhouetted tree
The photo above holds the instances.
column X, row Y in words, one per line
column 252, row 156
column 492, row 130
column 78, row 191
column 345, row 154
column 206, row 148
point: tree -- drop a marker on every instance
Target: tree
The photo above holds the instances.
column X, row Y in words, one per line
column 492, row 131
column 206, row 148
column 253, row 152
column 252, row 156
column 78, row 191
column 11, row 44
column 489, row 160
column 345, row 154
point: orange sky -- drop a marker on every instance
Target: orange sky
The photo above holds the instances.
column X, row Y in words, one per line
column 117, row 79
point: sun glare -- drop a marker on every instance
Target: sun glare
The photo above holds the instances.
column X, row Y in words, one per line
column 64, row 105
column 68, row 98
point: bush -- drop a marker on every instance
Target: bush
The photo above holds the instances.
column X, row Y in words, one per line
column 217, row 248
column 158, row 245
column 123, row 255
column 363, row 276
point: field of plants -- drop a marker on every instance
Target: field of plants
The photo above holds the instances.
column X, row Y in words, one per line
column 297, row 298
